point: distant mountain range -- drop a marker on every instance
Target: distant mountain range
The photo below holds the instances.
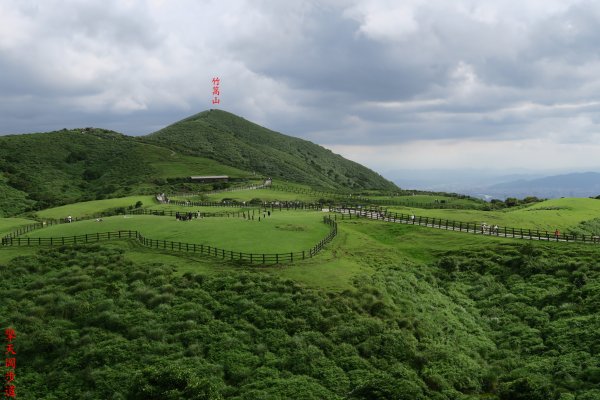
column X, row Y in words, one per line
column 583, row 184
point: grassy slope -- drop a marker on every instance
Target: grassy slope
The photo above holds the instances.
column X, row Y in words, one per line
column 548, row 215
column 312, row 196
column 8, row 225
column 68, row 166
column 329, row 269
column 234, row 141
column 12, row 201
column 88, row 208
column 64, row 166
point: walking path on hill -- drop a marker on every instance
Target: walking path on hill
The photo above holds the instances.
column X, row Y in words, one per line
column 445, row 224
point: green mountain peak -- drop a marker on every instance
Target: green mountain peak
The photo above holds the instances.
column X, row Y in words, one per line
column 237, row 142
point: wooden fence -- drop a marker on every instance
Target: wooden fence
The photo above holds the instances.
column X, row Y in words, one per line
column 252, row 258
column 273, row 205
column 467, row 227
column 364, row 200
column 347, row 198
column 138, row 211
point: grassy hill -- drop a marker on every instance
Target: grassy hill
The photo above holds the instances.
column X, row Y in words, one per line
column 41, row 170
column 232, row 140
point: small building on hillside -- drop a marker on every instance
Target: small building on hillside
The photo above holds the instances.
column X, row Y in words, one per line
column 210, row 178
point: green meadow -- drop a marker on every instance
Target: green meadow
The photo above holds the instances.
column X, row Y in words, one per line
column 88, row 208
column 8, row 225
column 548, row 215
column 263, row 195
column 206, row 209
column 280, row 233
column 281, row 193
column 176, row 165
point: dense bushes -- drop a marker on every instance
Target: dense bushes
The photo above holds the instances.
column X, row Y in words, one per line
column 541, row 305
column 515, row 322
column 92, row 325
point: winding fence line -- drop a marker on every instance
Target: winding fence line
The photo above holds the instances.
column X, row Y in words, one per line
column 14, row 239
column 364, row 200
column 139, row 211
column 467, row 227
column 324, row 196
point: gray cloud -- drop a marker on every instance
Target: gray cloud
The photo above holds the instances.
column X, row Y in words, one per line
column 357, row 73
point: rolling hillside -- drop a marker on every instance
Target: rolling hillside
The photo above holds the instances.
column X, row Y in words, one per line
column 232, row 140
column 41, row 170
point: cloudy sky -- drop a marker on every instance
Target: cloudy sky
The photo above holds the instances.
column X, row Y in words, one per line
column 396, row 85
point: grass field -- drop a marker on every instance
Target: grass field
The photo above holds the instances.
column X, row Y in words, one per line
column 263, row 194
column 88, row 208
column 208, row 209
column 280, row 195
column 8, row 225
column 429, row 199
column 180, row 166
column 91, row 207
column 544, row 216
column 280, row 233
column 360, row 248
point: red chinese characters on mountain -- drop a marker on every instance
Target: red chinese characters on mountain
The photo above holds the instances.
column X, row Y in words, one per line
column 216, row 90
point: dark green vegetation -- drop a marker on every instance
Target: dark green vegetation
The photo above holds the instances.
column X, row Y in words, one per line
column 68, row 166
column 507, row 321
column 232, row 140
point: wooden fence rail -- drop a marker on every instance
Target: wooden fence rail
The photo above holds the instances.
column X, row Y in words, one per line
column 356, row 200
column 138, row 211
column 467, row 227
column 252, row 258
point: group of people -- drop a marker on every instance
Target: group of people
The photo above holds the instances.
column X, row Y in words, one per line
column 485, row 228
column 186, row 216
